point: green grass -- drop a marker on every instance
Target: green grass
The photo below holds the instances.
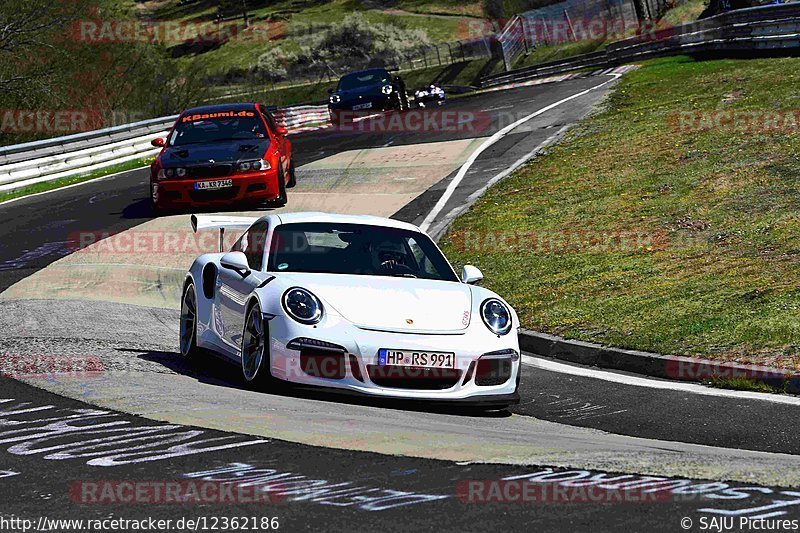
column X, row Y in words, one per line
column 71, row 180
column 303, row 16
column 745, row 384
column 688, row 11
column 720, row 275
column 543, row 54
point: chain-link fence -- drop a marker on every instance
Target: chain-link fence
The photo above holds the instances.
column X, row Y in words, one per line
column 577, row 20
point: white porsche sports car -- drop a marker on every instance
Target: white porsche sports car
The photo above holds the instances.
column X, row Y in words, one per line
column 357, row 303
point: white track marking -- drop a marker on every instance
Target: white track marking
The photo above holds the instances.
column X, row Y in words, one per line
column 437, row 230
column 625, row 379
column 451, row 188
column 72, row 185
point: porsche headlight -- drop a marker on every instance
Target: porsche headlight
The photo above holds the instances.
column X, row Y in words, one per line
column 496, row 316
column 335, row 99
column 302, row 306
column 387, row 89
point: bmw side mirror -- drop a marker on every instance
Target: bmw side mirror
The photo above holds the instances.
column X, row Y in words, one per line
column 330, row 90
column 236, row 261
column 158, row 143
column 471, row 275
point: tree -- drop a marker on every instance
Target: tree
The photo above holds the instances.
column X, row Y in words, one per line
column 227, row 8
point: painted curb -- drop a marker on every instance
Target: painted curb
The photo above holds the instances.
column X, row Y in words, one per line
column 672, row 367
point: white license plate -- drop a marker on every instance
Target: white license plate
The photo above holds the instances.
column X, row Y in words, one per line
column 368, row 105
column 418, row 359
column 216, row 184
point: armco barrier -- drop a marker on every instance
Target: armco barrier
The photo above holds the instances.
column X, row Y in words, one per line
column 754, row 29
column 50, row 159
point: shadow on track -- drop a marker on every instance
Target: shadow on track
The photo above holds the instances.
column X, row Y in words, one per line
column 213, row 370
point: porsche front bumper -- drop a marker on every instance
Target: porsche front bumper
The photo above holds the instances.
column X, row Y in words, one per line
column 339, row 355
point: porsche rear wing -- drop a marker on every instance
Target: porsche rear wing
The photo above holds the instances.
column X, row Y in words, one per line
column 221, row 223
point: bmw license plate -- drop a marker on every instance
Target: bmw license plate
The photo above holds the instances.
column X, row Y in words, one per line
column 215, row 184
column 419, row 359
column 367, row 105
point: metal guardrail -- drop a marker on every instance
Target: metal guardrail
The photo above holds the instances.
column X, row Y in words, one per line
column 759, row 28
column 51, row 159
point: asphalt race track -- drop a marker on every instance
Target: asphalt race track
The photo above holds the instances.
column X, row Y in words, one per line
column 593, row 451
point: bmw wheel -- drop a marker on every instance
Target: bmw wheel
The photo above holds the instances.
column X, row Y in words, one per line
column 292, row 176
column 255, row 347
column 282, row 198
column 188, row 329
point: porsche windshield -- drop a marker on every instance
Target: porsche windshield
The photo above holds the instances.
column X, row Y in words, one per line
column 217, row 127
column 318, row 247
column 363, row 79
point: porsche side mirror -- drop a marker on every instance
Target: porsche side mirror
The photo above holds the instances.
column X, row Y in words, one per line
column 471, row 275
column 236, row 261
column 281, row 130
column 158, row 143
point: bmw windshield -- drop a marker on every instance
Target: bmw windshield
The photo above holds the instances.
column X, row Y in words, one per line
column 217, row 127
column 356, row 249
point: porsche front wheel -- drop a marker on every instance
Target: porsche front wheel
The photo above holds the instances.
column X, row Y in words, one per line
column 255, row 347
column 188, row 329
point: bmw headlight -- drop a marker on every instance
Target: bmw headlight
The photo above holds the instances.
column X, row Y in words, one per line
column 180, row 172
column 387, row 89
column 302, row 306
column 335, row 99
column 496, row 316
column 253, row 166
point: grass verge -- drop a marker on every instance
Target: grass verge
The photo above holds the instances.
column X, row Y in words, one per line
column 636, row 233
column 71, row 180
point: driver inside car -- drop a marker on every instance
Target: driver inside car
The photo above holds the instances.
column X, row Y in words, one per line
column 390, row 257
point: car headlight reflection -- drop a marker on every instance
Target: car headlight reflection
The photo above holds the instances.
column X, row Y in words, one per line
column 496, row 316
column 302, row 306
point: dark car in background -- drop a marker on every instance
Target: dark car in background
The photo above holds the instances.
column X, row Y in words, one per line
column 222, row 154
column 364, row 92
